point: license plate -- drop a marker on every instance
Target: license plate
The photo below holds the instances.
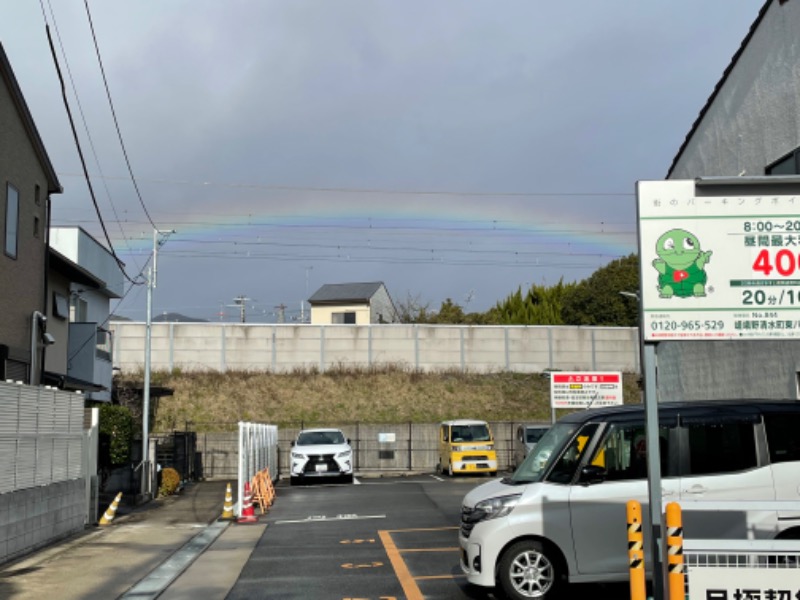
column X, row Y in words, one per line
column 321, row 468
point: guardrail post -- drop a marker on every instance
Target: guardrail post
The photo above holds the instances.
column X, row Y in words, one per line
column 636, row 550
column 675, row 573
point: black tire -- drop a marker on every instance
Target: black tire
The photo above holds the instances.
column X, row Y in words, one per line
column 294, row 481
column 347, row 478
column 528, row 570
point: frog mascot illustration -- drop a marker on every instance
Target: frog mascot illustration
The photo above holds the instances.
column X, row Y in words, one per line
column 681, row 265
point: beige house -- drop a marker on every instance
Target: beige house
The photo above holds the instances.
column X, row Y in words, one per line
column 27, row 179
column 352, row 304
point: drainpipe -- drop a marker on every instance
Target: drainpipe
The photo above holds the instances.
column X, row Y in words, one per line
column 37, row 321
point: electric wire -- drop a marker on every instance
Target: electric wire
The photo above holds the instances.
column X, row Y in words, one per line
column 114, row 115
column 86, row 125
column 80, row 154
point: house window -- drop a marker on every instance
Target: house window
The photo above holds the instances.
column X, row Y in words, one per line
column 786, row 165
column 343, row 318
column 12, row 220
column 36, row 227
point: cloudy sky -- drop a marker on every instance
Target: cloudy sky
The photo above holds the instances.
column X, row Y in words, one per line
column 451, row 149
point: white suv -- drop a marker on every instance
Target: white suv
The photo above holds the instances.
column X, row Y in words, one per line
column 321, row 453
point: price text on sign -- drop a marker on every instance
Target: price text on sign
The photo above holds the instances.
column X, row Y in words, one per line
column 718, row 266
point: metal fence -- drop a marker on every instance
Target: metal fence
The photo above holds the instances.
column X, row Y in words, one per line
column 414, row 447
column 41, row 436
column 257, row 450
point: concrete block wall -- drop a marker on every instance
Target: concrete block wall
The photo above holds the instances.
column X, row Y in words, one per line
column 36, row 517
column 285, row 348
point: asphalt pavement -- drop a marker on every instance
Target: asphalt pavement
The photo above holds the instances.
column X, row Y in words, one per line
column 145, row 549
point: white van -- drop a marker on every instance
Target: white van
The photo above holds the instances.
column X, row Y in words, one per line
column 561, row 517
column 525, row 440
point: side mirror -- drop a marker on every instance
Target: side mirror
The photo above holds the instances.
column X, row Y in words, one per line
column 591, row 474
column 291, row 443
column 348, row 441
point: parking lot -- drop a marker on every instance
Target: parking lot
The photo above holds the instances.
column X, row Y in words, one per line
column 378, row 539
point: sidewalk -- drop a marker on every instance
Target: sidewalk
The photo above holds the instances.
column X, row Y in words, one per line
column 103, row 563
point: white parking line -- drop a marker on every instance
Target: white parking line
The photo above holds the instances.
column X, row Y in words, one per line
column 325, row 519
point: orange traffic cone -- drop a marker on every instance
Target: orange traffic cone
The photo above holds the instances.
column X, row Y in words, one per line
column 111, row 511
column 227, row 509
column 248, row 512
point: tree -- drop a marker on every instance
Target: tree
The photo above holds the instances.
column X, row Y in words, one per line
column 597, row 300
column 412, row 309
column 540, row 306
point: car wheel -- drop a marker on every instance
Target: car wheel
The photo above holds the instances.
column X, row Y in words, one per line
column 527, row 570
column 347, row 478
column 294, row 481
column 438, row 468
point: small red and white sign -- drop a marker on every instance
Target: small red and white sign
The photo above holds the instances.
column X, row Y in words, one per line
column 585, row 389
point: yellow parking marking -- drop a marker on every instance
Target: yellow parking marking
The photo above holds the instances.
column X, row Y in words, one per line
column 404, row 576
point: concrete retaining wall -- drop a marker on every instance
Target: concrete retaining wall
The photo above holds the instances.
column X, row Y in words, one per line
column 36, row 517
column 286, row 348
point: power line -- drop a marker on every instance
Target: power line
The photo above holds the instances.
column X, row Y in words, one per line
column 355, row 190
column 80, row 153
column 114, row 114
column 85, row 123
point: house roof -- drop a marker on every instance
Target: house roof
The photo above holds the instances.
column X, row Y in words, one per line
column 7, row 74
column 721, row 83
column 74, row 272
column 345, row 292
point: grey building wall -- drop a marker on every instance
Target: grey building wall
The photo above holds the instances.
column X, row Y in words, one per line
column 381, row 307
column 727, row 369
column 25, row 274
column 753, row 118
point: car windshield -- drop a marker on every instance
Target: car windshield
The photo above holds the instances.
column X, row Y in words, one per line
column 470, row 433
column 547, row 449
column 318, row 438
column 533, row 435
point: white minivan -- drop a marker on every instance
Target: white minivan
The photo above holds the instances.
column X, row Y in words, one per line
column 561, row 517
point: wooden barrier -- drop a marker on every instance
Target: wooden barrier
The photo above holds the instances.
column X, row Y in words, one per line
column 263, row 490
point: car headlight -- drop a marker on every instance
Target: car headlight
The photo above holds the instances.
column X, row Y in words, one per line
column 343, row 454
column 494, row 508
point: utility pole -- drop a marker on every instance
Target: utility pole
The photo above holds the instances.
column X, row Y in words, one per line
column 281, row 312
column 241, row 302
column 303, row 302
column 146, row 487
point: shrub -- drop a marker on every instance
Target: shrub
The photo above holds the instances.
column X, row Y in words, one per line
column 117, row 423
column 170, row 482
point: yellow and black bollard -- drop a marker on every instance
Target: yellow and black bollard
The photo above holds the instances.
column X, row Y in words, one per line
column 675, row 573
column 636, row 550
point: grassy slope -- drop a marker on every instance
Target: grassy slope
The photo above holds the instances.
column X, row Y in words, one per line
column 381, row 396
